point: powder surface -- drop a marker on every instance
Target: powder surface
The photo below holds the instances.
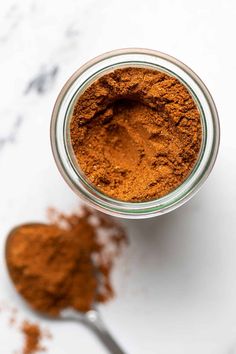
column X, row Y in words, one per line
column 32, row 337
column 136, row 133
column 65, row 264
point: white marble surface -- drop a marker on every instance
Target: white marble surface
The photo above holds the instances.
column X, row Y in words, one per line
column 176, row 283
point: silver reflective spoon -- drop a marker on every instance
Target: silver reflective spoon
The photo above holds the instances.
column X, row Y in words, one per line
column 91, row 319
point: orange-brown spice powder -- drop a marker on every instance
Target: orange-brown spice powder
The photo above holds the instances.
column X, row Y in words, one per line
column 136, row 133
column 32, row 338
column 67, row 263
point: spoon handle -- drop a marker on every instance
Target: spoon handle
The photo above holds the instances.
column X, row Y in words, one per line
column 95, row 322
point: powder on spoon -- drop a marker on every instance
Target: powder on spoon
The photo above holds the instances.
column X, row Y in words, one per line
column 136, row 133
column 67, row 263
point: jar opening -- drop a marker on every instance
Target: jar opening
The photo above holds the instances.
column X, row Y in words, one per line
column 64, row 154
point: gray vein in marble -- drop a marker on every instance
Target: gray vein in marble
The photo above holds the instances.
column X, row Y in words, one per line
column 72, row 31
column 12, row 10
column 11, row 136
column 10, row 22
column 43, row 81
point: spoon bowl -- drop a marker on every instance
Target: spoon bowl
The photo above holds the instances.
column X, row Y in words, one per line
column 91, row 318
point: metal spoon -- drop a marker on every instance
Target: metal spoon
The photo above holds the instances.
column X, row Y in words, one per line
column 91, row 319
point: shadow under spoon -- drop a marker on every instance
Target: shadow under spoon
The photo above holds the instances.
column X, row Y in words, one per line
column 91, row 319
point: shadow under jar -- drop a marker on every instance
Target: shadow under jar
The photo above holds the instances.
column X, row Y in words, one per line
column 68, row 162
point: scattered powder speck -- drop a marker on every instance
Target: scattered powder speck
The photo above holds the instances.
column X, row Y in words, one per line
column 32, row 338
column 33, row 334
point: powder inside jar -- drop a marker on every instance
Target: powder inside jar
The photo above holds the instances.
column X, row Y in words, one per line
column 136, row 133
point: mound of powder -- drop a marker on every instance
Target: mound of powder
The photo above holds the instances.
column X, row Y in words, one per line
column 136, row 133
column 65, row 264
column 32, row 338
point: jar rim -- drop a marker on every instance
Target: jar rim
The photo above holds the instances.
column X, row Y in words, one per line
column 64, row 156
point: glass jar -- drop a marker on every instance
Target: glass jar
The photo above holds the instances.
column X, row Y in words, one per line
column 60, row 132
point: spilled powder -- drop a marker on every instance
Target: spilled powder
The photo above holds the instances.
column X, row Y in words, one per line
column 66, row 263
column 13, row 317
column 33, row 334
column 32, row 338
column 136, row 133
